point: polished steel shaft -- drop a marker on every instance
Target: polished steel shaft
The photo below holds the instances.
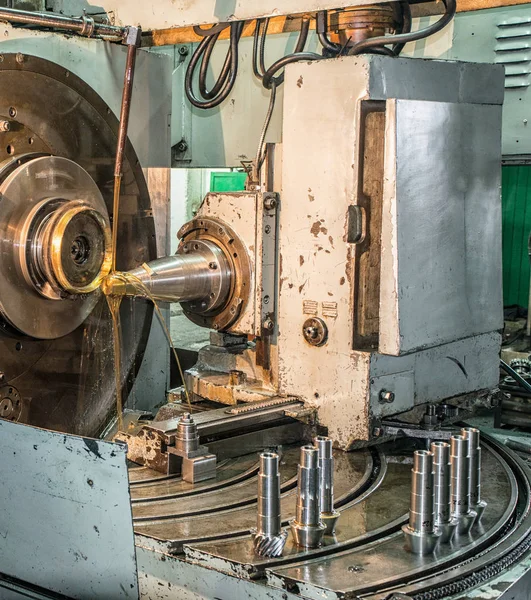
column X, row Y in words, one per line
column 187, row 436
column 307, row 527
column 472, row 436
column 441, row 485
column 268, row 537
column 460, row 484
column 421, row 534
column 200, row 276
column 329, row 516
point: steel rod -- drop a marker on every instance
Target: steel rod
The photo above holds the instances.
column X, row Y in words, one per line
column 85, row 25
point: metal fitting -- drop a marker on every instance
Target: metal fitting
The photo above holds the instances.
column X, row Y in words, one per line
column 188, row 458
column 5, row 125
column 441, row 491
column 460, row 485
column 329, row 516
column 472, row 436
column 307, row 528
column 386, row 397
column 421, row 535
column 268, row 537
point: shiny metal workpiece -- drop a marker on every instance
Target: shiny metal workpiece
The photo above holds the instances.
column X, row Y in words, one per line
column 199, row 274
column 421, row 535
column 329, row 516
column 441, row 486
column 307, row 528
column 269, row 538
column 193, row 461
column 472, row 437
column 460, row 485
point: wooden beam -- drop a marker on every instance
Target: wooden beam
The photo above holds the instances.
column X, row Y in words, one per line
column 186, row 35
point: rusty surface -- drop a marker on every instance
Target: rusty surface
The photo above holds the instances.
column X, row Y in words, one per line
column 186, row 35
column 368, row 253
column 356, row 24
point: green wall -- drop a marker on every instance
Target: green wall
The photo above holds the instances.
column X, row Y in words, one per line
column 516, row 207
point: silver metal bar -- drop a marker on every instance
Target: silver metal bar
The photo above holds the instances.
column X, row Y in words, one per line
column 441, row 485
column 472, row 436
column 200, row 275
column 460, row 484
column 329, row 516
column 307, row 528
column 421, row 535
column 268, row 537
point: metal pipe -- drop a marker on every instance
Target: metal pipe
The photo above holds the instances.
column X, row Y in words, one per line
column 329, row 516
column 307, row 528
column 420, row 533
column 85, row 25
column 472, row 436
column 460, row 484
column 199, row 274
column 441, row 486
column 269, row 538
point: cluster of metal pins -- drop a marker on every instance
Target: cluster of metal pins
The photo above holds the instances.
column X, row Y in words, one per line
column 315, row 514
column 445, row 492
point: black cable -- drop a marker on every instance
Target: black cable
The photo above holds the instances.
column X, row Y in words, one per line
column 259, row 68
column 227, row 77
column 405, row 25
column 403, row 38
column 286, row 60
column 321, row 26
column 516, row 376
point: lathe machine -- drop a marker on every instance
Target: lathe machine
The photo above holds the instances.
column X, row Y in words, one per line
column 353, row 296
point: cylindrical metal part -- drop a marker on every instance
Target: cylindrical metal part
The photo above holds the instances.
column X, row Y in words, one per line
column 460, row 484
column 421, row 515
column 459, row 476
column 186, row 436
column 329, row 516
column 54, row 21
column 202, row 275
column 441, row 488
column 268, row 537
column 268, row 521
column 472, row 436
column 308, row 510
column 421, row 534
column 307, row 527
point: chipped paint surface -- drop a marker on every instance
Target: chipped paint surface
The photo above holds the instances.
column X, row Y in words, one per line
column 66, row 513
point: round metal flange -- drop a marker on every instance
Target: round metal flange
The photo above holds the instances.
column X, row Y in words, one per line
column 49, row 207
column 315, row 331
column 70, row 379
column 10, row 401
column 221, row 234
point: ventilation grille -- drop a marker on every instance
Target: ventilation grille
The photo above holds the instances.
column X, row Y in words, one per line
column 513, row 49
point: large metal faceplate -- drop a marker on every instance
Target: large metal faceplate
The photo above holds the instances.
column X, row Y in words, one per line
column 69, row 382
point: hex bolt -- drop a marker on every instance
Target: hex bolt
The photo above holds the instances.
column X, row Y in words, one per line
column 421, row 535
column 181, row 146
column 183, row 50
column 329, row 516
column 268, row 537
column 441, row 491
column 472, row 436
column 186, row 436
column 307, row 528
column 386, row 397
column 270, row 202
column 460, row 485
column 269, row 324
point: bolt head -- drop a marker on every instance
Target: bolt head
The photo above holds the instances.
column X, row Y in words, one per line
column 268, row 324
column 212, row 266
column 386, row 397
column 183, row 50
